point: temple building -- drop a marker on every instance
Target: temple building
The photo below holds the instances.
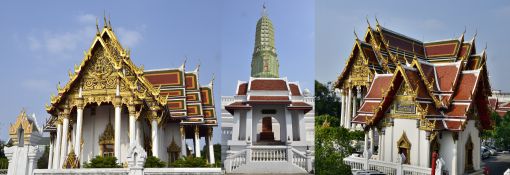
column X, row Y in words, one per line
column 267, row 126
column 109, row 105
column 416, row 101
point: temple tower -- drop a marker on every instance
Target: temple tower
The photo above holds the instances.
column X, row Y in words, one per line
column 264, row 60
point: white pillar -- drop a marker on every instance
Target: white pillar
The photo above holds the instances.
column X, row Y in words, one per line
column 342, row 108
column 154, row 131
column 132, row 129
column 210, row 147
column 56, row 157
column 183, row 141
column 302, row 127
column 65, row 131
column 354, row 106
column 372, row 140
column 288, row 126
column 197, row 142
column 237, row 122
column 249, row 126
column 365, row 151
column 139, row 132
column 118, row 129
column 79, row 126
column 50, row 156
column 455, row 169
column 348, row 110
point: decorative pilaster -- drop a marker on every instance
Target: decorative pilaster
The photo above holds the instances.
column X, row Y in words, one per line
column 183, row 141
column 210, row 145
column 372, row 140
column 354, row 106
column 117, row 104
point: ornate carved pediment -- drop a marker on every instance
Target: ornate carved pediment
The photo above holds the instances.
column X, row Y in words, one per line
column 359, row 74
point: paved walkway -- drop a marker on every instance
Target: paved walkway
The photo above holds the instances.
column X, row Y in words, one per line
column 498, row 164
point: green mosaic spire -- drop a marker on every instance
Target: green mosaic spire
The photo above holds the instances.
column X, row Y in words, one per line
column 264, row 61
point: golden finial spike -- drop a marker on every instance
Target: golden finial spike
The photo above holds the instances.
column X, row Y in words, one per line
column 97, row 26
column 104, row 17
column 368, row 22
column 376, row 21
column 355, row 34
column 109, row 23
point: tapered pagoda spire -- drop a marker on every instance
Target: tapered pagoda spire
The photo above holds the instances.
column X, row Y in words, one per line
column 264, row 60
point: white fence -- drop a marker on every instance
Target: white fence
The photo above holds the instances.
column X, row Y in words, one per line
column 389, row 168
column 269, row 153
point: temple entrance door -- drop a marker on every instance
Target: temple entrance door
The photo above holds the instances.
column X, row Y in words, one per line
column 434, row 147
column 404, row 148
column 267, row 133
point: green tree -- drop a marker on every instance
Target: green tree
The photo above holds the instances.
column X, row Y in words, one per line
column 103, row 162
column 154, row 162
column 190, row 161
column 332, row 145
column 326, row 101
column 501, row 132
column 42, row 162
column 217, row 154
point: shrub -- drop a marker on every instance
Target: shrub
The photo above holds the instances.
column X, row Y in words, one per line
column 154, row 162
column 190, row 161
column 42, row 162
column 103, row 162
column 4, row 163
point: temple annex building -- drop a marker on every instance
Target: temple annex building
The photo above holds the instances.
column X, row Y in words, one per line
column 418, row 102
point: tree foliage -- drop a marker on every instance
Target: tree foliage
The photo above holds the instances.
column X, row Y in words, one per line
column 154, row 162
column 103, row 162
column 326, row 101
column 501, row 132
column 332, row 145
column 190, row 161
column 42, row 162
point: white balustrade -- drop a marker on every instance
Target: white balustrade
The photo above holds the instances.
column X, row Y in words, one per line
column 268, row 153
column 390, row 168
column 237, row 160
column 298, row 159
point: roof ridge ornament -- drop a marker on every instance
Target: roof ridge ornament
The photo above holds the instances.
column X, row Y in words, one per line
column 355, row 34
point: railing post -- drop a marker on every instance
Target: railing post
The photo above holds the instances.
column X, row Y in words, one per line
column 308, row 160
column 400, row 169
column 248, row 151
column 289, row 151
column 228, row 162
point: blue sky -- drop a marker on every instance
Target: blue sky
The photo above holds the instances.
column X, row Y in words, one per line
column 294, row 40
column 423, row 20
column 41, row 41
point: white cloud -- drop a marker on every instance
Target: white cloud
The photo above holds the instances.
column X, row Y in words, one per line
column 63, row 44
column 87, row 18
column 129, row 38
column 38, row 85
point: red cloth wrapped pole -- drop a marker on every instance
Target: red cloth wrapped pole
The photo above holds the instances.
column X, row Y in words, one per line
column 433, row 163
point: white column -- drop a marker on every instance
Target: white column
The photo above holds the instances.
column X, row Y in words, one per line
column 365, row 151
column 56, row 157
column 288, row 125
column 139, row 132
column 132, row 129
column 117, row 130
column 249, row 126
column 197, row 142
column 372, row 140
column 348, row 110
column 455, row 166
column 79, row 126
column 427, row 149
column 210, row 146
column 183, row 141
column 154, row 132
column 342, row 108
column 50, row 156
column 63, row 151
column 235, row 129
column 302, row 127
column 354, row 106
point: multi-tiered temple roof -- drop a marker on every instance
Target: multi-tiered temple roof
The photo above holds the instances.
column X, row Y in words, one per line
column 447, row 79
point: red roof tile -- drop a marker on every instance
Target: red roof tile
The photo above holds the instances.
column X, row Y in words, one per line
column 269, row 98
column 242, row 89
column 294, row 90
column 276, row 85
column 466, row 85
column 369, row 107
column 441, row 49
column 446, row 74
column 457, row 110
column 381, row 84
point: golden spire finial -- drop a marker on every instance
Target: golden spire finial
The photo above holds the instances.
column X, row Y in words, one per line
column 368, row 22
column 97, row 26
column 104, row 17
column 376, row 21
